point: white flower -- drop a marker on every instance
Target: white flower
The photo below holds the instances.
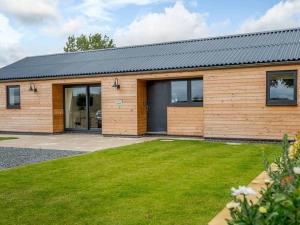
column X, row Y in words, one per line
column 243, row 190
column 296, row 170
column 233, row 205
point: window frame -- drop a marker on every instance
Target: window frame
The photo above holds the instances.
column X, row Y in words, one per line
column 189, row 102
column 8, row 105
column 187, row 92
column 269, row 75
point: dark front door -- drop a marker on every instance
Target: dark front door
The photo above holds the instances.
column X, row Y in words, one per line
column 158, row 99
column 83, row 107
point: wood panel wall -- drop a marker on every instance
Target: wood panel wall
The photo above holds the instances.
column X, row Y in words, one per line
column 234, row 105
column 141, row 107
column 186, row 121
column 119, row 107
column 35, row 114
column 58, row 108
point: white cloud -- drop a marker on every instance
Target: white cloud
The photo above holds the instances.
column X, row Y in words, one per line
column 68, row 27
column 74, row 26
column 10, row 38
column 284, row 14
column 101, row 9
column 175, row 23
column 91, row 16
column 30, row 11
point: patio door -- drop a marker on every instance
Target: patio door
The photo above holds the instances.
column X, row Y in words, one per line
column 83, row 108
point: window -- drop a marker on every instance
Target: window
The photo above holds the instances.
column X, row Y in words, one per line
column 197, row 90
column 179, row 91
column 282, row 87
column 187, row 92
column 13, row 97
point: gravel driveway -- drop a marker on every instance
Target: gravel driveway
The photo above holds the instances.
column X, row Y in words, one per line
column 11, row 157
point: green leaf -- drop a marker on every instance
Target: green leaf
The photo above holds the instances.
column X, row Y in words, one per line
column 85, row 43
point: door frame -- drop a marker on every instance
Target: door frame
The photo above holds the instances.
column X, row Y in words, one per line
column 86, row 86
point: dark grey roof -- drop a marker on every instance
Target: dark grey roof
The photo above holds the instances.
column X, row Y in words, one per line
column 251, row 48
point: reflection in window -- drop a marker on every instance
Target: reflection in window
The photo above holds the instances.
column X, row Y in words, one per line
column 13, row 97
column 197, row 90
column 75, row 107
column 282, row 88
column 95, row 119
column 179, row 91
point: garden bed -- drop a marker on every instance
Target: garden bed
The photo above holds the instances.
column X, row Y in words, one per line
column 278, row 203
column 257, row 184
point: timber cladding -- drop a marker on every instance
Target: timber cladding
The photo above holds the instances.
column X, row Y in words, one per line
column 234, row 105
column 35, row 114
column 58, row 108
column 119, row 107
column 141, row 107
column 186, row 121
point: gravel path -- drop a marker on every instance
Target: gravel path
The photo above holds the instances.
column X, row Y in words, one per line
column 11, row 157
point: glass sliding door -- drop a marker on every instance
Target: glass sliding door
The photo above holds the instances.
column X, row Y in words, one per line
column 95, row 114
column 75, row 108
column 83, row 107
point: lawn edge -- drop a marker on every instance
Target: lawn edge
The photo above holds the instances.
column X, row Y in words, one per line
column 257, row 184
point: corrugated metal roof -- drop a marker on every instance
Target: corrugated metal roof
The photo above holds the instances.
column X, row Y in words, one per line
column 251, row 48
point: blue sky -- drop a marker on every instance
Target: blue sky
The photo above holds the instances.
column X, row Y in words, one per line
column 33, row 27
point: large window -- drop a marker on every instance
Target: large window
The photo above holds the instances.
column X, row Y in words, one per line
column 83, row 107
column 13, row 97
column 187, row 92
column 282, row 87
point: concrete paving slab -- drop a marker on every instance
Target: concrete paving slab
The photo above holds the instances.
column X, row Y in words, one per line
column 70, row 141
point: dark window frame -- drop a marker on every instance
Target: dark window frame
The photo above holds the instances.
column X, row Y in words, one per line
column 187, row 91
column 189, row 102
column 88, row 128
column 8, row 105
column 269, row 75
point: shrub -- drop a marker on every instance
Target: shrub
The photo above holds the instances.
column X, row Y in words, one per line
column 279, row 203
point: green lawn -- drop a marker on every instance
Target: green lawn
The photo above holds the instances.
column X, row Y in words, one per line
column 6, row 138
column 178, row 183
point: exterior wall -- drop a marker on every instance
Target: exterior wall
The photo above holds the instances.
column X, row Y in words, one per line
column 141, row 107
column 35, row 114
column 119, row 107
column 43, row 111
column 234, row 105
column 58, row 108
column 185, row 121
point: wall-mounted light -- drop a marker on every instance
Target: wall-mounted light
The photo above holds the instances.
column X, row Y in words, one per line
column 116, row 84
column 32, row 87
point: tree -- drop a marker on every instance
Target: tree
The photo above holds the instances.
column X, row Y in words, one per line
column 91, row 42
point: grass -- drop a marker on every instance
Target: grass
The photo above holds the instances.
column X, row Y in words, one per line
column 7, row 138
column 179, row 182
